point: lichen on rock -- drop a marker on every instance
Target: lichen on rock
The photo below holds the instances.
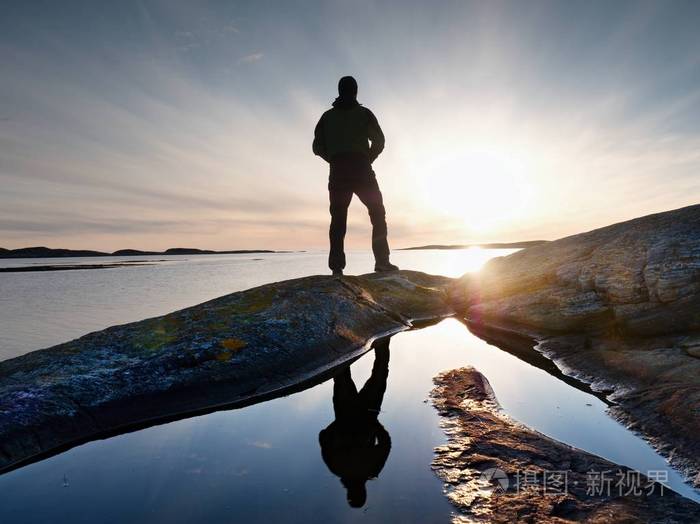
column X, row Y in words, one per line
column 231, row 349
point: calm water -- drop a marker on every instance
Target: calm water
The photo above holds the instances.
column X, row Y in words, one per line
column 264, row 462
column 41, row 309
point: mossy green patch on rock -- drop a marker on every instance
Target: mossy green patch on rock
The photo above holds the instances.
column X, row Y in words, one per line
column 163, row 331
column 255, row 301
column 231, row 346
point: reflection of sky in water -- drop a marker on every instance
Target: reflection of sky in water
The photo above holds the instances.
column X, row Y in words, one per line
column 263, row 462
column 541, row 401
column 42, row 309
column 258, row 464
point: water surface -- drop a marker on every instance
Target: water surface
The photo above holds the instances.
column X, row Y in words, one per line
column 264, row 462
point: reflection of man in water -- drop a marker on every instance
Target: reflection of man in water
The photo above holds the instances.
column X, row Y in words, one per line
column 355, row 445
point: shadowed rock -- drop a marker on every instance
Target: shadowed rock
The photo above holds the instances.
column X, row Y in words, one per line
column 640, row 277
column 234, row 348
column 496, row 470
column 618, row 307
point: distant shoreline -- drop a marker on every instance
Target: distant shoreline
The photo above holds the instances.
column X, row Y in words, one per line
column 46, row 252
column 74, row 267
column 489, row 245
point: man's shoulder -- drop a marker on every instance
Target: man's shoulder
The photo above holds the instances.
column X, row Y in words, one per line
column 370, row 115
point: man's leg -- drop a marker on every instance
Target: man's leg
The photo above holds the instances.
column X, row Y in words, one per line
column 372, row 393
column 371, row 196
column 344, row 396
column 340, row 200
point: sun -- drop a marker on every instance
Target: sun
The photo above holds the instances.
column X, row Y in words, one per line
column 482, row 186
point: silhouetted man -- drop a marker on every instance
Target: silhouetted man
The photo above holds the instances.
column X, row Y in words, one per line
column 355, row 445
column 342, row 138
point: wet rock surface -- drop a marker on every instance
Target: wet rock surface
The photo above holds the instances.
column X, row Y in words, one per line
column 618, row 307
column 496, row 470
column 232, row 349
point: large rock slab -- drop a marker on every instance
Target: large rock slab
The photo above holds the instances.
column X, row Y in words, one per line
column 233, row 349
column 637, row 278
column 496, row 470
column 618, row 307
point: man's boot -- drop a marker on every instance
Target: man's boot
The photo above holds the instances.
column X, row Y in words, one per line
column 381, row 267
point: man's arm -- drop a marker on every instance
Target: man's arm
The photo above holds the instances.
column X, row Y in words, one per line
column 376, row 137
column 319, row 145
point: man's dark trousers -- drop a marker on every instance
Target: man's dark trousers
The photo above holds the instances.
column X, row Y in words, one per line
column 352, row 174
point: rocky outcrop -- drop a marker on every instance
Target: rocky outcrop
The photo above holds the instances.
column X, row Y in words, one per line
column 496, row 470
column 618, row 307
column 636, row 278
column 233, row 349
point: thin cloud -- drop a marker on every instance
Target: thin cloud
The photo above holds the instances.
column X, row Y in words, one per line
column 249, row 59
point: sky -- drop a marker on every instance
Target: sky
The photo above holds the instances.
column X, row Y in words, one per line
column 156, row 124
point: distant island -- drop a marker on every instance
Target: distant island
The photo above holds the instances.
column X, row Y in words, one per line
column 491, row 245
column 47, row 252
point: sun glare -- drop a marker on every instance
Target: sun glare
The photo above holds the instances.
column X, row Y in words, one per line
column 482, row 186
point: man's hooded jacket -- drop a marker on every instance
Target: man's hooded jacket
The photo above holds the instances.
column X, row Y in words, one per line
column 348, row 127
